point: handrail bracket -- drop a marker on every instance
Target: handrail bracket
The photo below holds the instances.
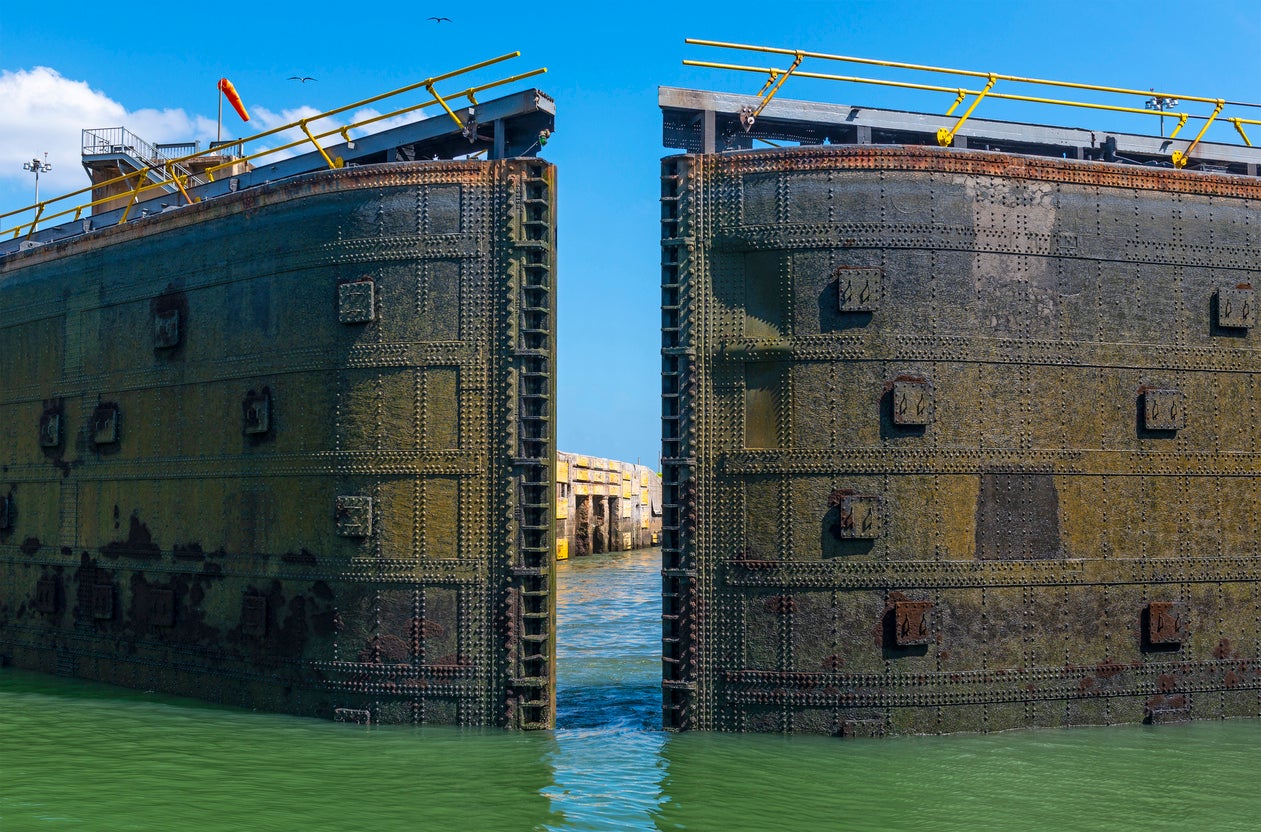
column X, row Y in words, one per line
column 946, row 137
column 776, row 79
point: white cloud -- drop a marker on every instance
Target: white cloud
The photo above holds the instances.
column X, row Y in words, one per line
column 46, row 113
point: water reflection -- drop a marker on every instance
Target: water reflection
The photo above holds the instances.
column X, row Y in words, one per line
column 74, row 753
column 607, row 766
column 608, row 661
column 1198, row 776
column 78, row 754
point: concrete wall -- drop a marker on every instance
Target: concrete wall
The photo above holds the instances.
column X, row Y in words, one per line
column 603, row 505
column 291, row 448
column 957, row 441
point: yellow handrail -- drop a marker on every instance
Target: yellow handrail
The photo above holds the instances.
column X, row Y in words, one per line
column 946, row 136
column 768, row 92
column 961, row 93
column 138, row 180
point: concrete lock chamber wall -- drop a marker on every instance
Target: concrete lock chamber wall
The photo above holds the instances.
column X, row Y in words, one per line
column 957, row 441
column 292, row 448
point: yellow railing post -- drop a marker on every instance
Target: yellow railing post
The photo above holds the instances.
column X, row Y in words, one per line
column 1180, row 157
column 140, row 175
column 332, row 164
column 946, row 137
column 1182, row 122
column 1238, row 122
column 442, row 101
column 767, row 92
column 179, row 184
column 958, row 100
column 39, row 210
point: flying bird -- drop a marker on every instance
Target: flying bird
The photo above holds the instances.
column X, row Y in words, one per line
column 441, row 19
column 303, row 79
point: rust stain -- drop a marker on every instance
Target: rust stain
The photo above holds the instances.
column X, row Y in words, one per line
column 139, row 543
column 913, row 379
column 301, row 556
column 385, row 649
column 192, row 551
column 1109, row 668
column 425, row 628
column 838, row 496
column 867, row 157
column 780, row 604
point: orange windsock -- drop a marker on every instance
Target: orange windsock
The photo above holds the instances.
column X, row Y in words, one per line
column 225, row 87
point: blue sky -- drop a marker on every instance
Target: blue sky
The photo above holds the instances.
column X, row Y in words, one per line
column 153, row 69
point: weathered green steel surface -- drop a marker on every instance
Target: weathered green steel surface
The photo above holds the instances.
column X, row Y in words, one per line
column 292, row 448
column 957, row 441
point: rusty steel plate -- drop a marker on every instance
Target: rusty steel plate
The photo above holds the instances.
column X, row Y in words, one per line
column 291, row 448
column 989, row 421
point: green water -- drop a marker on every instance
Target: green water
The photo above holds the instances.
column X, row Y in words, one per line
column 79, row 756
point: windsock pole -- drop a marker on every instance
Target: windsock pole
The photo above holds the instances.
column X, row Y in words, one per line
column 226, row 88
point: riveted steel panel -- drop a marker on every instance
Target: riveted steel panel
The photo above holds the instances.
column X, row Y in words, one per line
column 321, row 479
column 1064, row 533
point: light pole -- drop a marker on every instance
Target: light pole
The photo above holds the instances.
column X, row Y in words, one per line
column 1162, row 103
column 37, row 167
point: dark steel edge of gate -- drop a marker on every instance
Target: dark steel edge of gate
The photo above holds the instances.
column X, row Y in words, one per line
column 529, row 605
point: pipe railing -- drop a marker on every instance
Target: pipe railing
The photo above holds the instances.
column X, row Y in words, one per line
column 176, row 169
column 776, row 76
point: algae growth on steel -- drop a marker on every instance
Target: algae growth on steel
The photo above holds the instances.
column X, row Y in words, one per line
column 292, row 447
column 957, row 441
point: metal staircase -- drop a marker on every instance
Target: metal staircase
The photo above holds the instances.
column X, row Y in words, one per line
column 126, row 148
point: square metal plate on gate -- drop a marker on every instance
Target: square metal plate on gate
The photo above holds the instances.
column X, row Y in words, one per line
column 356, row 302
column 103, row 601
column 46, row 595
column 354, row 516
column 159, row 606
column 858, row 289
column 910, row 621
column 105, row 424
column 166, row 329
column 257, row 410
column 50, row 430
column 254, row 615
column 1165, row 624
column 912, row 403
column 859, row 517
column 1163, row 410
column 1236, row 307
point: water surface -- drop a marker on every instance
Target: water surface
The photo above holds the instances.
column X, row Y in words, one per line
column 76, row 755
